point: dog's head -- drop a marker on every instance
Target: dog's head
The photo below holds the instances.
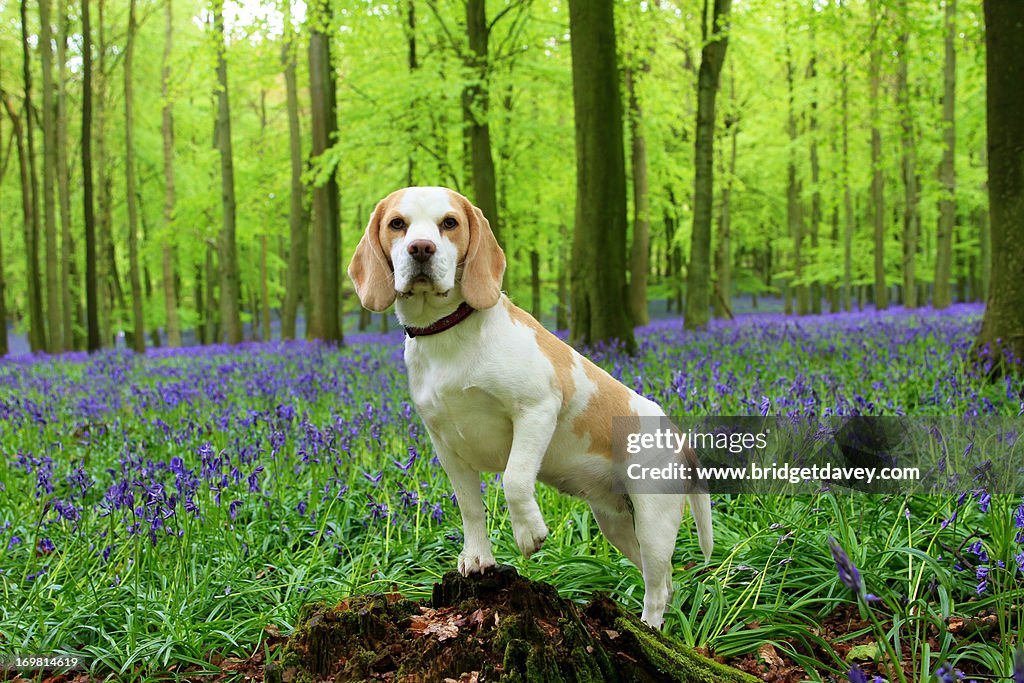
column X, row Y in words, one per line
column 425, row 240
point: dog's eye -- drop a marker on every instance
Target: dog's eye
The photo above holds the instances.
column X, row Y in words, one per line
column 449, row 223
column 397, row 224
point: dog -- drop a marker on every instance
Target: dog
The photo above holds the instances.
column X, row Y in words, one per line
column 500, row 393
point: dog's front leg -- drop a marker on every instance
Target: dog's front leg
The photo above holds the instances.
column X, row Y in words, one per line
column 532, row 431
column 476, row 556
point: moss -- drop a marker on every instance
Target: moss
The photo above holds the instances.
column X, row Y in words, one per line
column 502, row 626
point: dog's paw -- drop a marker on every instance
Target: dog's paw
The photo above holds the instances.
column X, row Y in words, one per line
column 475, row 562
column 530, row 536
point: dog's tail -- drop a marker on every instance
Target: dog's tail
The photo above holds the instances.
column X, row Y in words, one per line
column 700, row 505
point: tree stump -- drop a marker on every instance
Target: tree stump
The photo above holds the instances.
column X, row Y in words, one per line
column 496, row 627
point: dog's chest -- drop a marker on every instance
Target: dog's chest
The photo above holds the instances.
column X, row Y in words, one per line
column 462, row 403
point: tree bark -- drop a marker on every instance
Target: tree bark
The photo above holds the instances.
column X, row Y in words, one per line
column 92, row 326
column 535, row 284
column 848, row 225
column 540, row 636
column 410, row 38
column 110, row 280
column 138, row 339
column 562, row 311
column 600, row 304
column 229, row 294
column 37, row 321
column 698, row 276
column 264, row 291
column 911, row 215
column 55, row 332
column 815, row 221
column 167, row 133
column 213, row 323
column 1002, row 328
column 70, row 306
column 877, row 179
column 475, row 110
column 638, row 255
column 298, row 252
column 942, row 296
column 723, row 257
column 26, row 203
column 325, row 243
column 794, row 189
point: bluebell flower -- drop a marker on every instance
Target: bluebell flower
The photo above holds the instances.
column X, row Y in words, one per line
column 848, row 573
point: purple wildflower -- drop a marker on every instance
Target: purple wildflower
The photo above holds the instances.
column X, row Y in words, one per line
column 948, row 674
column 848, row 573
column 857, row 675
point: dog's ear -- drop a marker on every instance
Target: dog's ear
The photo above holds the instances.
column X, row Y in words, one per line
column 370, row 270
column 484, row 264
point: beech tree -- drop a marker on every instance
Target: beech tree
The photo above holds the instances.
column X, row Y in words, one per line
column 600, row 311
column 229, row 294
column 947, row 167
column 1002, row 328
column 698, row 278
column 325, row 240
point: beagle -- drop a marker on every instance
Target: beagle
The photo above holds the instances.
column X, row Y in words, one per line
column 499, row 393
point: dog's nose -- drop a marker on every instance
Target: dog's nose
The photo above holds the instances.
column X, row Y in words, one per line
column 421, row 250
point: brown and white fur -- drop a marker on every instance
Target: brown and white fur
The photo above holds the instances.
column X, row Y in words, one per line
column 499, row 393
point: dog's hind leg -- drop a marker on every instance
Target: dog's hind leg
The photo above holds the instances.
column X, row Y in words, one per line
column 657, row 517
column 617, row 527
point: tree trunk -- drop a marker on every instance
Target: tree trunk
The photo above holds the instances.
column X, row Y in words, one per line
column 37, row 322
column 325, row 243
column 815, row 224
column 877, row 179
column 167, row 131
column 911, row 215
column 298, row 252
column 562, row 311
column 540, row 636
column 212, row 277
column 847, row 199
column 947, row 168
column 92, row 325
column 1002, row 328
column 600, row 300
column 264, row 290
column 986, row 253
column 138, row 339
column 638, row 256
column 110, row 280
column 410, row 38
column 475, row 105
column 794, row 189
column 229, row 295
column 698, row 276
column 18, row 139
column 54, row 332
column 723, row 257
column 535, row 284
column 69, row 274
column 3, row 303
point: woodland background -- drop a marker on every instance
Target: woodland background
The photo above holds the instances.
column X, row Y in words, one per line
column 235, row 151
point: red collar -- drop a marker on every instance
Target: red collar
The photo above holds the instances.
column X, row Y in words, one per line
column 445, row 323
